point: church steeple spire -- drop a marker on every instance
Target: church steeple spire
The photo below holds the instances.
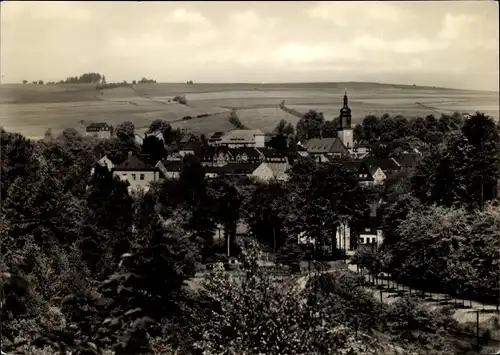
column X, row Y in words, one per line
column 345, row 114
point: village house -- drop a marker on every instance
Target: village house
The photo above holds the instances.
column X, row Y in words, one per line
column 189, row 148
column 360, row 150
column 137, row 173
column 138, row 139
column 171, row 169
column 189, row 138
column 268, row 171
column 104, row 161
column 242, row 138
column 360, row 169
column 321, row 149
column 381, row 169
column 272, row 155
column 215, row 137
column 156, row 134
column 408, row 160
column 99, row 129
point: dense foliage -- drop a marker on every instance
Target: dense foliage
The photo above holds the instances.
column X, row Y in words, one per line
column 87, row 267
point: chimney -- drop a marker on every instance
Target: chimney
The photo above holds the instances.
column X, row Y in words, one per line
column 130, row 153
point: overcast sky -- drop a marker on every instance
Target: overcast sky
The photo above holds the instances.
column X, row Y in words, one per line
column 446, row 43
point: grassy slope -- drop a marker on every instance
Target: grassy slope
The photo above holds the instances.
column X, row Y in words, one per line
column 31, row 109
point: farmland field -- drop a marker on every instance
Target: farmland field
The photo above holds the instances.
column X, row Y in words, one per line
column 32, row 109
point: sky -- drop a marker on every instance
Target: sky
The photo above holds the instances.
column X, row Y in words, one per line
column 446, row 43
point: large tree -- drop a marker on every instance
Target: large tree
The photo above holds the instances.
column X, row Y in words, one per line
column 326, row 196
column 466, row 171
column 310, row 125
column 125, row 130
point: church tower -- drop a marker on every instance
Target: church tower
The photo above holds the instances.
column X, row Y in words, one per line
column 345, row 130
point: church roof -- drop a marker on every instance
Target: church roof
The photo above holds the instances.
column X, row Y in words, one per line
column 325, row 146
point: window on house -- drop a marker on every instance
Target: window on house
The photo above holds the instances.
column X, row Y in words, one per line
column 124, row 174
column 142, row 176
column 133, row 176
column 362, row 240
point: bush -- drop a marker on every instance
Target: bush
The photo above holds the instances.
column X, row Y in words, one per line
column 235, row 121
column 254, row 314
column 180, row 99
column 186, row 117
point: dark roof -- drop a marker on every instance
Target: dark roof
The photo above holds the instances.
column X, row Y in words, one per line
column 98, row 125
column 135, row 164
column 238, row 168
column 190, row 146
column 408, row 160
column 357, row 167
column 384, row 164
column 249, row 151
column 272, row 153
column 172, row 166
column 362, row 144
column 216, row 135
column 325, row 145
column 146, row 158
column 187, row 137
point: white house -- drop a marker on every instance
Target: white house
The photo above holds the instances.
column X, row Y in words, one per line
column 104, row 161
column 243, row 138
column 158, row 135
column 138, row 139
column 138, row 174
column 99, row 130
column 267, row 171
column 378, row 175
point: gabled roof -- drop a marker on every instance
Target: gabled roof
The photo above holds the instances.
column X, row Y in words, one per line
column 384, row 164
column 191, row 146
column 133, row 163
column 240, row 136
column 279, row 170
column 216, row 135
column 409, row 160
column 325, row 145
column 187, row 138
column 239, row 168
column 357, row 167
column 271, row 153
column 172, row 165
column 147, row 159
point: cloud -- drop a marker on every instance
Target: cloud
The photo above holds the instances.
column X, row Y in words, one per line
column 453, row 25
column 346, row 13
column 51, row 10
column 187, row 17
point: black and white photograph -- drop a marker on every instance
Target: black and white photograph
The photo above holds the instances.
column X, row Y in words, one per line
column 249, row 177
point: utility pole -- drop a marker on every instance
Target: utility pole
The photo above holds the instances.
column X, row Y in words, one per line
column 274, row 239
column 477, row 329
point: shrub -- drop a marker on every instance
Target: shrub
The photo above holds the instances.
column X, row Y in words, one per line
column 180, row 99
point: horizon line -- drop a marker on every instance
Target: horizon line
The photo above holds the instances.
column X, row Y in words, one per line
column 275, row 83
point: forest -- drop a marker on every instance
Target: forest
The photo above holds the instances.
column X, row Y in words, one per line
column 87, row 268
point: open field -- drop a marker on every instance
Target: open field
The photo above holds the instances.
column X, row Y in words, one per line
column 32, row 109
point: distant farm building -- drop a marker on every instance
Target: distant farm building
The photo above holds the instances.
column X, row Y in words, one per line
column 99, row 130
